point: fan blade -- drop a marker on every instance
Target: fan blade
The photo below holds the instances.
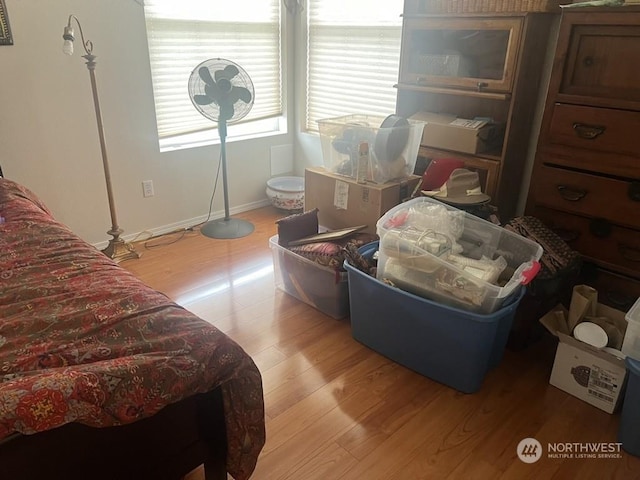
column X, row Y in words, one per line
column 226, row 111
column 205, row 75
column 229, row 72
column 202, row 99
column 242, row 93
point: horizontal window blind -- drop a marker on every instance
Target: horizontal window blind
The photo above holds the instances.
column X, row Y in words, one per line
column 184, row 33
column 353, row 57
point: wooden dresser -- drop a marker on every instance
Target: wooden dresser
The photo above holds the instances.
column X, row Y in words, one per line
column 586, row 179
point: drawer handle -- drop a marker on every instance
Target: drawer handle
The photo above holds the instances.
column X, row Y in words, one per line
column 629, row 253
column 588, row 132
column 571, row 194
column 481, row 85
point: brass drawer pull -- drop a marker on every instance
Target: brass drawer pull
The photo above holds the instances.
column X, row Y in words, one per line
column 588, row 132
column 571, row 194
column 629, row 253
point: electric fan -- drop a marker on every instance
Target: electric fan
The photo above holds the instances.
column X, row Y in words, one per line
column 223, row 92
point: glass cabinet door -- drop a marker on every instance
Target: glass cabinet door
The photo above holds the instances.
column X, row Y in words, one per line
column 475, row 54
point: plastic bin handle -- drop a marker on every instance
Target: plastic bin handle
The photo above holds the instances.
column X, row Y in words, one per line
column 530, row 273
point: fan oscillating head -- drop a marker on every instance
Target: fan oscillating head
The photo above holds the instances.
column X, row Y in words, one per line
column 221, row 90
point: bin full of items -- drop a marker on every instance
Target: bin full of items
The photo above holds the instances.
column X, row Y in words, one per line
column 439, row 252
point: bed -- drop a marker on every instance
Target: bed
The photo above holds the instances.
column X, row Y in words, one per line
column 104, row 377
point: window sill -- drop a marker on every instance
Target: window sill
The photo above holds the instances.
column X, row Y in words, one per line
column 235, row 133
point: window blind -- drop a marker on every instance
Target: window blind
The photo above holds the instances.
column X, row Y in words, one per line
column 184, row 33
column 353, row 53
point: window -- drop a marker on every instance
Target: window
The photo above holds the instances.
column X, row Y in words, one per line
column 353, row 50
column 184, row 33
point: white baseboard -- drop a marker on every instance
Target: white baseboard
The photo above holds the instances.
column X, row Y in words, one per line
column 184, row 224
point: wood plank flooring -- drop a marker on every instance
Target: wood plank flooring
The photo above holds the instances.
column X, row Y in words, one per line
column 336, row 410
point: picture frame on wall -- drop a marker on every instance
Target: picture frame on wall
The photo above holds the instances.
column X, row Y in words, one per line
column 5, row 30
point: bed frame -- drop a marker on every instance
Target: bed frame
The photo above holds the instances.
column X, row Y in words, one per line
column 167, row 446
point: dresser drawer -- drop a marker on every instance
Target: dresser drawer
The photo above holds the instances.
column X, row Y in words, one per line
column 617, row 291
column 611, row 246
column 603, row 61
column 591, row 128
column 589, row 195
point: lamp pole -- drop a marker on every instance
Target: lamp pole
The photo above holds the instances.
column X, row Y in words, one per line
column 117, row 249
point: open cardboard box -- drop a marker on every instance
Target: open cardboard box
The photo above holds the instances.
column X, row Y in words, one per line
column 589, row 373
column 449, row 132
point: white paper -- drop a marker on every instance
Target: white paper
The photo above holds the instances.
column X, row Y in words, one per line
column 341, row 195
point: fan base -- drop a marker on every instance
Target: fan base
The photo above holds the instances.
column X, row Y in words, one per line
column 227, row 228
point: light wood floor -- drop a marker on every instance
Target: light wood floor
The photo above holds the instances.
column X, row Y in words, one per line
column 337, row 410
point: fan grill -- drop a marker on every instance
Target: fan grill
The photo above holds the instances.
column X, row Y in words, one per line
column 226, row 88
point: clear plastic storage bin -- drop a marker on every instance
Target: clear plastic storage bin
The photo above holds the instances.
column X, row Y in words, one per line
column 321, row 287
column 360, row 147
column 444, row 254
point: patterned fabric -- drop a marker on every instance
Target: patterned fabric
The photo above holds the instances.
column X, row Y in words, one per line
column 333, row 254
column 557, row 256
column 83, row 340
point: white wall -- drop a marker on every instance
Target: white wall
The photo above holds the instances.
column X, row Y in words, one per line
column 48, row 133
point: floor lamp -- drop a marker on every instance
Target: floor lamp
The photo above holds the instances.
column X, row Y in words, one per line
column 117, row 249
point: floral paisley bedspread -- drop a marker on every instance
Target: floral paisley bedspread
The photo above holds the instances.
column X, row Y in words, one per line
column 82, row 340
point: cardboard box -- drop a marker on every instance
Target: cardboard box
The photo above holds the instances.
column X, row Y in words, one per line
column 449, row 132
column 586, row 372
column 342, row 202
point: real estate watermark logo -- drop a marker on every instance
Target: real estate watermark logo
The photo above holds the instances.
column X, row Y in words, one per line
column 530, row 450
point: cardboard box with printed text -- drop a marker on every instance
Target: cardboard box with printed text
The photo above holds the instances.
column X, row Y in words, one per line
column 591, row 374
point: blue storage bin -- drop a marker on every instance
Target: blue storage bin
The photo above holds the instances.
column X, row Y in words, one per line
column 452, row 346
column 629, row 430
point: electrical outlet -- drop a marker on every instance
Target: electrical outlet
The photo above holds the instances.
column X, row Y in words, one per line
column 147, row 188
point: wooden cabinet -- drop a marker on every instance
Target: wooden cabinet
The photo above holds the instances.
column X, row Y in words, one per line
column 586, row 178
column 480, row 65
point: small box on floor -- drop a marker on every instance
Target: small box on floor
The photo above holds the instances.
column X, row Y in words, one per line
column 342, row 202
column 593, row 373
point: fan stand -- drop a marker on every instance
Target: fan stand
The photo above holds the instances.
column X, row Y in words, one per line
column 226, row 227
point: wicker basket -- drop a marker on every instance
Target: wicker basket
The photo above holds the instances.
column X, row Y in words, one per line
column 482, row 6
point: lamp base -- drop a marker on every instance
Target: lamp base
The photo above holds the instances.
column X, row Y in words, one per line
column 119, row 250
column 227, row 228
